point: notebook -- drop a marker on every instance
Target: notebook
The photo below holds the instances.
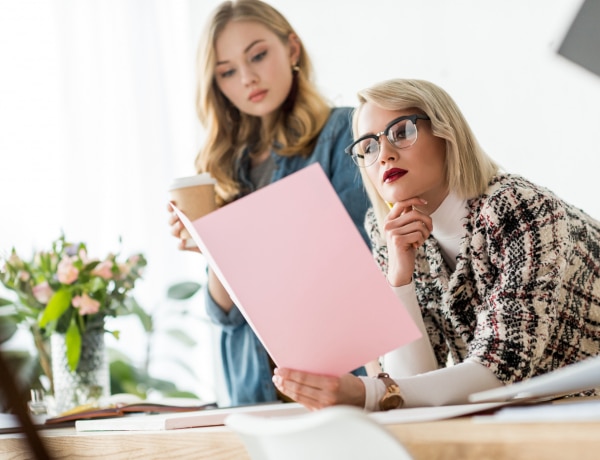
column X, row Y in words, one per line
column 294, row 263
column 122, row 410
column 174, row 421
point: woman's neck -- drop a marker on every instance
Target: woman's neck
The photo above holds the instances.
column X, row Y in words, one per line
column 258, row 158
column 448, row 228
column 447, row 218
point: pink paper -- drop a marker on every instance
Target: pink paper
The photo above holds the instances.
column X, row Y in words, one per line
column 296, row 266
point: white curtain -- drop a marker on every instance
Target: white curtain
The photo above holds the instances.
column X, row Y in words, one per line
column 97, row 116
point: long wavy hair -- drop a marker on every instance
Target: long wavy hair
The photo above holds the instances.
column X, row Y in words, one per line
column 468, row 168
column 292, row 130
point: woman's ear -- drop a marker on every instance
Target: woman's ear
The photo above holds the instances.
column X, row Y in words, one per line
column 295, row 48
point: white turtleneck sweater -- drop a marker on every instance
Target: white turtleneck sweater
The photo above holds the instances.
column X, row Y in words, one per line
column 413, row 366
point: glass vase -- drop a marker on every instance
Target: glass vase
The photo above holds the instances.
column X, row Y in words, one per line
column 89, row 382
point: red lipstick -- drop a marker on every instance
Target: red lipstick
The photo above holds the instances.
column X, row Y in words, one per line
column 393, row 174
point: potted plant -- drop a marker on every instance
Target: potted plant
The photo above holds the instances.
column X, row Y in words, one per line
column 65, row 295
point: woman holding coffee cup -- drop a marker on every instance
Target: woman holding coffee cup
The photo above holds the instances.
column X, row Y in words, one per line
column 265, row 119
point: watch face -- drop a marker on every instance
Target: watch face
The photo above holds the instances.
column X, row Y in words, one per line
column 391, row 402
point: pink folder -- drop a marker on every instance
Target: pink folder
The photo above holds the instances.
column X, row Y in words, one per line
column 292, row 260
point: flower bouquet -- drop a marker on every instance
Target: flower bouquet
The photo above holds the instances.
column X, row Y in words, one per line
column 65, row 291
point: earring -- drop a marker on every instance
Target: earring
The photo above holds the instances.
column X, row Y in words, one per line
column 296, row 68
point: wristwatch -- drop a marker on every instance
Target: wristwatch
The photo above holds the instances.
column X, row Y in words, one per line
column 392, row 399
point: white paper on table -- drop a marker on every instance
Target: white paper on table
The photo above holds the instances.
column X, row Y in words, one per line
column 431, row 414
column 575, row 378
column 576, row 411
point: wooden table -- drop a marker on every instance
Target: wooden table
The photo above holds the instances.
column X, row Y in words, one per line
column 461, row 438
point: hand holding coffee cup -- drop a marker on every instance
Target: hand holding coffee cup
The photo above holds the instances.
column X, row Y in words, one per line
column 195, row 197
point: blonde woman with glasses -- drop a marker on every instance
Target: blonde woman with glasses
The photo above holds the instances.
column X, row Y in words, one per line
column 500, row 274
column 264, row 119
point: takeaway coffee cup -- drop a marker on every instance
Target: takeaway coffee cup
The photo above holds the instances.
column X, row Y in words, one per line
column 195, row 196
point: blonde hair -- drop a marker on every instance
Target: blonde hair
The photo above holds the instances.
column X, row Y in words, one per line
column 291, row 131
column 468, row 168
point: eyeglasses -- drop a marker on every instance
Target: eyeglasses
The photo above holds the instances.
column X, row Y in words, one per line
column 400, row 132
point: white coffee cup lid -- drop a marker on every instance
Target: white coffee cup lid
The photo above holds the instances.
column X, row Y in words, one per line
column 190, row 181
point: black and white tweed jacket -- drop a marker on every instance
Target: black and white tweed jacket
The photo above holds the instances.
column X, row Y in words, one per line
column 524, row 298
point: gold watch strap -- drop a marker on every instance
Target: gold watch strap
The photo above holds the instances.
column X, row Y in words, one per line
column 385, row 377
column 392, row 399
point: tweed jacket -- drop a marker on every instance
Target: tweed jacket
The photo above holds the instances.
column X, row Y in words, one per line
column 524, row 298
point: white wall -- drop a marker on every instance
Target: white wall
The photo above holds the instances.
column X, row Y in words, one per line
column 534, row 111
column 68, row 96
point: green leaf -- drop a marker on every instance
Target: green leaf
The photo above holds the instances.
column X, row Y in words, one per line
column 182, row 291
column 4, row 302
column 115, row 334
column 144, row 318
column 124, row 307
column 182, row 337
column 58, row 304
column 73, row 345
column 183, row 394
column 8, row 327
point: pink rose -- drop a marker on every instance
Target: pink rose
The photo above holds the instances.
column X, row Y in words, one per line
column 104, row 270
column 86, row 305
column 134, row 259
column 83, row 256
column 67, row 273
column 124, row 270
column 15, row 260
column 42, row 292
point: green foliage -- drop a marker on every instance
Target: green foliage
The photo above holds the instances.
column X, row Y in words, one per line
column 144, row 317
column 63, row 289
column 125, row 377
column 8, row 328
column 73, row 344
column 59, row 315
column 183, row 291
column 5, row 302
column 59, row 303
column 8, row 321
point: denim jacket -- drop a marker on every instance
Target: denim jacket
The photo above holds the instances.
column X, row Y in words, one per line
column 245, row 362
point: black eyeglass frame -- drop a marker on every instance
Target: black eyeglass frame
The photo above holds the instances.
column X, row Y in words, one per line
column 413, row 118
